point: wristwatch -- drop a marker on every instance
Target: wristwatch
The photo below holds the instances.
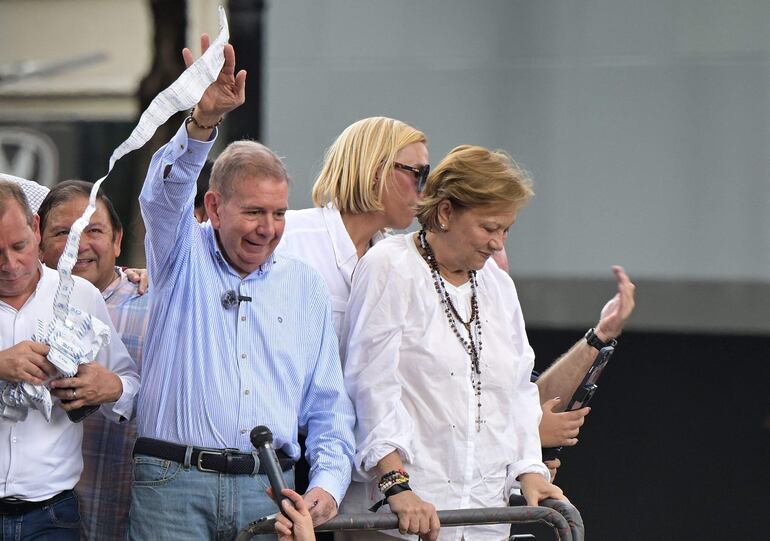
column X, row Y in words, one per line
column 596, row 342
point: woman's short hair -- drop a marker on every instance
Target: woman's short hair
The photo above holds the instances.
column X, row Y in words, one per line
column 472, row 176
column 363, row 152
column 241, row 159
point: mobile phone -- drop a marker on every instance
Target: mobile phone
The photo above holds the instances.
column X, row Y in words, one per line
column 584, row 393
column 80, row 413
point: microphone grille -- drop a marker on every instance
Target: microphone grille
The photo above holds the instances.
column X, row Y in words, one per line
column 260, row 435
column 229, row 299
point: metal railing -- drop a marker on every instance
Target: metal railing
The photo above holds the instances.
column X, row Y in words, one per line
column 561, row 517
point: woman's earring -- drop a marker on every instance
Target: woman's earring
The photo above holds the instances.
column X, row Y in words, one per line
column 443, row 227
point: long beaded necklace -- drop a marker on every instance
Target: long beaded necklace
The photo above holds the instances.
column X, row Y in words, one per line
column 472, row 345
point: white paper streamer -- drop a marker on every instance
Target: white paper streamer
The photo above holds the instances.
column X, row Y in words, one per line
column 74, row 336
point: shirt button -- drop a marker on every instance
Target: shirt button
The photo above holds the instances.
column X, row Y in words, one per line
column 243, row 430
column 246, row 392
column 243, row 318
column 243, row 355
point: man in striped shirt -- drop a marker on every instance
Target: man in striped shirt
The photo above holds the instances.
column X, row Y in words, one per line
column 238, row 336
column 105, row 484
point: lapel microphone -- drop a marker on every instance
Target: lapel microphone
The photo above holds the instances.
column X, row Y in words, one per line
column 231, row 299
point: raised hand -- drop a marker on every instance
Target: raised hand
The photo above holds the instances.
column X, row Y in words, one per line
column 223, row 95
column 616, row 312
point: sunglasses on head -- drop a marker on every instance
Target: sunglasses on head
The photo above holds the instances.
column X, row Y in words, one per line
column 420, row 173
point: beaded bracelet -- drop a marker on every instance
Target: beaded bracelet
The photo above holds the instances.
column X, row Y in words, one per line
column 191, row 118
column 391, row 478
column 384, row 487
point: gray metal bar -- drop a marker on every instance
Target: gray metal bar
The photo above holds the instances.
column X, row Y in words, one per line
column 560, row 516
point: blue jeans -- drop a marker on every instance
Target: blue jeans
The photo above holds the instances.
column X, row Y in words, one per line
column 171, row 501
column 59, row 521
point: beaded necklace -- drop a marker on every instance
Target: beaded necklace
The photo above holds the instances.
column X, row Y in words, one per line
column 472, row 345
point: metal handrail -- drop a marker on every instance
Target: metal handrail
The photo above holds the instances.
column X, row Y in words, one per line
column 563, row 518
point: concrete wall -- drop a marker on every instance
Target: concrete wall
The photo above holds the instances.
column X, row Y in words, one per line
column 644, row 124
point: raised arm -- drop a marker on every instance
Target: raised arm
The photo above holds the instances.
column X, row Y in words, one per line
column 563, row 377
column 169, row 189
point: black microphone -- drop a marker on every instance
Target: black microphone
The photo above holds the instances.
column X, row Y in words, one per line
column 231, row 299
column 262, row 440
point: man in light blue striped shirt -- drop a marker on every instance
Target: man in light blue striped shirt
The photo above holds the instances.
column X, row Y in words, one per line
column 238, row 336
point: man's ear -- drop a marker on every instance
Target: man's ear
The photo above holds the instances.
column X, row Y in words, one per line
column 212, row 201
column 36, row 228
column 116, row 242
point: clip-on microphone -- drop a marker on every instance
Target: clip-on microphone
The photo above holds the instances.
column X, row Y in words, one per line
column 231, row 299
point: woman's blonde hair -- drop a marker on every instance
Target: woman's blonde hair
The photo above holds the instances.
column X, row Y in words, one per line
column 472, row 176
column 363, row 152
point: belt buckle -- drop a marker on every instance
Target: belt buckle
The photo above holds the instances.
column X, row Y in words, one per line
column 227, row 453
column 200, row 460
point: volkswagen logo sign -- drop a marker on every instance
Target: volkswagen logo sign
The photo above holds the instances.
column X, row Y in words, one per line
column 28, row 153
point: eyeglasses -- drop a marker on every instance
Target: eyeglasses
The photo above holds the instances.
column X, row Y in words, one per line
column 420, row 173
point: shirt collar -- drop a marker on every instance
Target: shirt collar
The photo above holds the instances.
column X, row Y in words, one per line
column 115, row 284
column 343, row 246
column 344, row 249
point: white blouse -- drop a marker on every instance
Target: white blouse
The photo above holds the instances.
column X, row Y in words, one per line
column 410, row 380
column 318, row 236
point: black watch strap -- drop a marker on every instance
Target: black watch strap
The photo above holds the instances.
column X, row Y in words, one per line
column 596, row 342
column 392, row 491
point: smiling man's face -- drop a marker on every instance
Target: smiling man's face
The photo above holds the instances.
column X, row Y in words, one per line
column 99, row 243
column 249, row 222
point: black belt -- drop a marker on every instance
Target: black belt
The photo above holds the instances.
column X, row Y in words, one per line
column 12, row 506
column 207, row 460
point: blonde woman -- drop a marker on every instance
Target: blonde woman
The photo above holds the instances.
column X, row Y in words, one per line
column 370, row 182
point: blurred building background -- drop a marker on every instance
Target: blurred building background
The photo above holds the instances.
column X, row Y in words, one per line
column 646, row 127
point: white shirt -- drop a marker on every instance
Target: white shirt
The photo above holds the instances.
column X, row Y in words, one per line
column 318, row 236
column 38, row 459
column 410, row 380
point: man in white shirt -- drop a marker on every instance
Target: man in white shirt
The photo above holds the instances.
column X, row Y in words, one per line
column 40, row 461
